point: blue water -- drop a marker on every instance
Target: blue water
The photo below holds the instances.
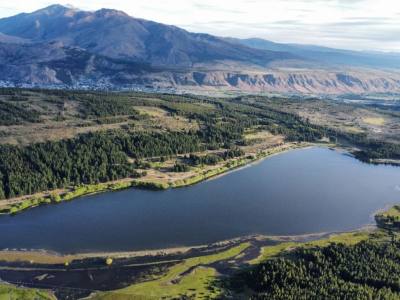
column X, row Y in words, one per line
column 301, row 191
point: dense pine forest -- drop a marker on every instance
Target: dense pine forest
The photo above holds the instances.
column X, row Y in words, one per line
column 368, row 270
column 13, row 114
column 90, row 158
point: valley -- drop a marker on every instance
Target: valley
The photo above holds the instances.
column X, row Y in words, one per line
column 150, row 143
column 200, row 150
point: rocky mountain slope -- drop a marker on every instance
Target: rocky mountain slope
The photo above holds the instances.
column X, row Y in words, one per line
column 53, row 63
column 68, row 47
column 115, row 34
column 294, row 81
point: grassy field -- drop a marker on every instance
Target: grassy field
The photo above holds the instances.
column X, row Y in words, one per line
column 35, row 257
column 394, row 212
column 389, row 219
column 374, row 121
column 347, row 238
column 54, row 197
column 345, row 117
column 10, row 292
column 162, row 119
column 65, row 115
column 190, row 278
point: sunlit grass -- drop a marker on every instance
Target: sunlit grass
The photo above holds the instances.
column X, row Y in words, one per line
column 348, row 238
column 8, row 292
column 176, row 282
column 378, row 121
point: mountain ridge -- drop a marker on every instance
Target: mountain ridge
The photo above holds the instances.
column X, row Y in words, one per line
column 327, row 55
column 114, row 33
column 107, row 48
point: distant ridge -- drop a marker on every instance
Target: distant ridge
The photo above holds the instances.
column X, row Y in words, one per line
column 60, row 46
column 327, row 55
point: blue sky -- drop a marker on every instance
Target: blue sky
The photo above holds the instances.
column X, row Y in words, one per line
column 349, row 24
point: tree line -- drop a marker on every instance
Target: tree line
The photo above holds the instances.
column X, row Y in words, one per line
column 368, row 270
column 14, row 114
column 89, row 158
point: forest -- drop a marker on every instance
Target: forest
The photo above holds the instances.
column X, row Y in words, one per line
column 368, row 270
column 88, row 159
column 13, row 114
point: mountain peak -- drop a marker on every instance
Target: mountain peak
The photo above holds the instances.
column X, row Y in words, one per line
column 115, row 34
column 56, row 9
column 107, row 12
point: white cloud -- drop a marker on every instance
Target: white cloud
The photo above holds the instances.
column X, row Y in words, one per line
column 354, row 24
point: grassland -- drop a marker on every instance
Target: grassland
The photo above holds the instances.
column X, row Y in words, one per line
column 375, row 123
column 195, row 278
column 190, row 278
column 378, row 121
column 389, row 219
column 10, row 292
column 36, row 257
column 14, row 206
column 62, row 115
column 392, row 212
column 347, row 238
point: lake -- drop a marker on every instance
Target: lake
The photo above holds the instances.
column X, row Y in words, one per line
column 302, row 191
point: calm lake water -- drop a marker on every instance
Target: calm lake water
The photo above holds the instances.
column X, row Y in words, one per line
column 301, row 191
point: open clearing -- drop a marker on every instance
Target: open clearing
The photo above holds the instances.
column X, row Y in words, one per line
column 374, row 121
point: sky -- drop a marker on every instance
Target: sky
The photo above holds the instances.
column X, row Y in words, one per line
column 347, row 24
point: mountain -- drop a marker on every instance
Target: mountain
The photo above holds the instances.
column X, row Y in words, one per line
column 115, row 34
column 325, row 55
column 4, row 38
column 53, row 63
column 67, row 47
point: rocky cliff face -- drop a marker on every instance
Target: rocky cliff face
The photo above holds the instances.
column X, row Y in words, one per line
column 315, row 81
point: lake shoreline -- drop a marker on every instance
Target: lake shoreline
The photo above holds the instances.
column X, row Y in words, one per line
column 226, row 257
column 17, row 205
column 100, row 211
column 48, row 256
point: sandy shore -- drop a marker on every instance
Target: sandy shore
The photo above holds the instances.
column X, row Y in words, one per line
column 51, row 257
